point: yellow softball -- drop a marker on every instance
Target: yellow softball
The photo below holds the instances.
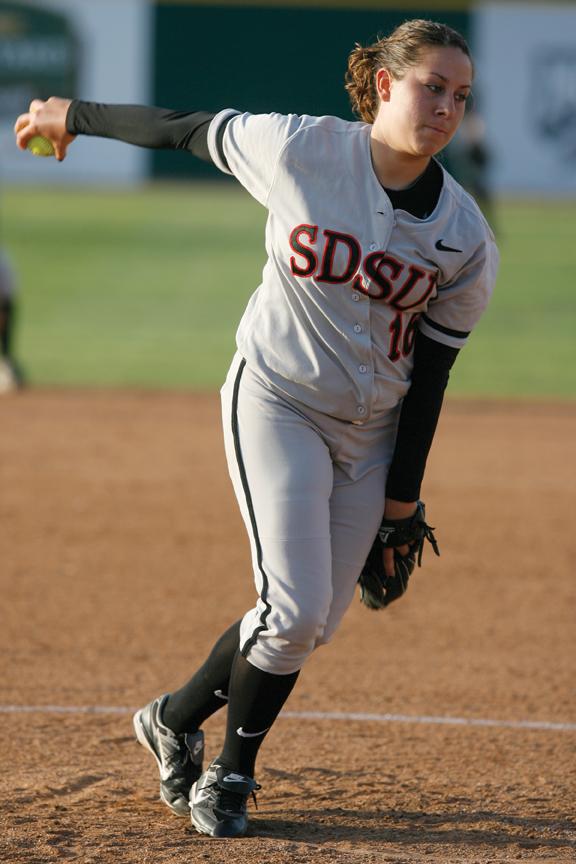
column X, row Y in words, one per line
column 40, row 146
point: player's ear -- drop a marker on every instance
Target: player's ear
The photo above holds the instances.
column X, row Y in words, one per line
column 383, row 84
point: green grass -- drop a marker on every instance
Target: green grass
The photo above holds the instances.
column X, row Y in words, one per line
column 145, row 288
column 525, row 344
column 132, row 288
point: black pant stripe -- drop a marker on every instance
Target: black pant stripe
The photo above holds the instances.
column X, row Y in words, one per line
column 245, row 486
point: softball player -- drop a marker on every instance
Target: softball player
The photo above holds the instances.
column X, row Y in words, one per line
column 379, row 265
column 11, row 376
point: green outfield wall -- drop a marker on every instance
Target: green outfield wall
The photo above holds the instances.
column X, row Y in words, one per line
column 266, row 57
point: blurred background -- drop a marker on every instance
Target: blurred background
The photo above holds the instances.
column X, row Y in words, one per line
column 125, row 267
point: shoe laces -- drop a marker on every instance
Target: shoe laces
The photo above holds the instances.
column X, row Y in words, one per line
column 234, row 802
column 176, row 753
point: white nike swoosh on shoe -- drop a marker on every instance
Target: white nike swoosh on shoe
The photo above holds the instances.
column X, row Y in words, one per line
column 243, row 734
column 235, row 778
column 199, row 796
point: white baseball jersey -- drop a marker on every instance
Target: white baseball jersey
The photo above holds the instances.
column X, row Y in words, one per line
column 348, row 279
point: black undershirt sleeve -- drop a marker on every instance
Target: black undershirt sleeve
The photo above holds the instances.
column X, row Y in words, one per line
column 156, row 128
column 418, row 417
column 432, row 363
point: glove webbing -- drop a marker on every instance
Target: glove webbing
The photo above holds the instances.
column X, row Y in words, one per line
column 411, row 532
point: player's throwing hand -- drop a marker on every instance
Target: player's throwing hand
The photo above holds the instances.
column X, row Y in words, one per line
column 48, row 120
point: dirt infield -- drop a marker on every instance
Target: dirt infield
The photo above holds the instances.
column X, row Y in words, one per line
column 123, row 557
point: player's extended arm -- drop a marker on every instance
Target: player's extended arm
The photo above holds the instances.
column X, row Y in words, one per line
column 60, row 120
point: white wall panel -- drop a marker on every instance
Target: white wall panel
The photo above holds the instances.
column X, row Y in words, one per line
column 526, row 84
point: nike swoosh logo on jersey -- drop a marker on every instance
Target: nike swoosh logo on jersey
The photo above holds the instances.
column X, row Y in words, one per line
column 442, row 248
column 243, row 734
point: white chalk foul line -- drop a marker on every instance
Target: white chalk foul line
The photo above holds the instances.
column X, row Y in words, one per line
column 428, row 720
column 316, row 715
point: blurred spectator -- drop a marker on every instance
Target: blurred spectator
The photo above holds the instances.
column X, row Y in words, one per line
column 11, row 377
column 468, row 159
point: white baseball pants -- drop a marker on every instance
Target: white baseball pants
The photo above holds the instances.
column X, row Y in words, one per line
column 311, row 490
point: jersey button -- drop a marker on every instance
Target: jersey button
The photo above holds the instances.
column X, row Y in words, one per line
column 355, row 297
column 357, row 328
column 361, row 410
column 362, row 368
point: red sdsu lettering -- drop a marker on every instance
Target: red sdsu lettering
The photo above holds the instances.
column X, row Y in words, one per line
column 309, row 256
column 415, row 274
column 333, row 238
column 374, row 265
column 382, row 276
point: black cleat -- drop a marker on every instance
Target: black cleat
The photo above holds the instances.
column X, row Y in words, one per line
column 218, row 802
column 179, row 757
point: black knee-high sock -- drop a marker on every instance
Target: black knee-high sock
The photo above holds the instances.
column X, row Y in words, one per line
column 255, row 700
column 207, row 691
